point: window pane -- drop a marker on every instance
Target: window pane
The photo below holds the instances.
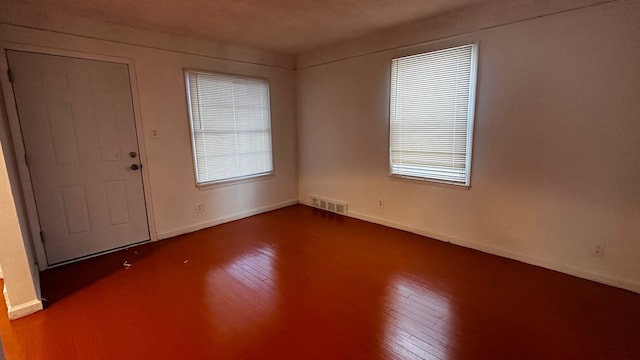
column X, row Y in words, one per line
column 231, row 126
column 431, row 114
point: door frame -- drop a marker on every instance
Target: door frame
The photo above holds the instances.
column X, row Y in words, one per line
column 19, row 148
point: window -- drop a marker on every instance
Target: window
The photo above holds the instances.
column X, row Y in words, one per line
column 431, row 114
column 230, row 126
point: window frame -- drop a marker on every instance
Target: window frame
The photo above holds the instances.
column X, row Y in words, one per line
column 228, row 181
column 473, row 82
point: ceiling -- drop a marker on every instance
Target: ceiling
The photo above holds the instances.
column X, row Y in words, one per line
column 290, row 26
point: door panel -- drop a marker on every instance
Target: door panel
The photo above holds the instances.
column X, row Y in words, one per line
column 117, row 202
column 74, row 203
column 78, row 128
column 63, row 133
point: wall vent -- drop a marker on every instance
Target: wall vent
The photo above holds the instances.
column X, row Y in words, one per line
column 333, row 206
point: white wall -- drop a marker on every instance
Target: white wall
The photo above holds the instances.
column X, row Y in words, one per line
column 159, row 61
column 163, row 106
column 20, row 289
column 32, row 16
column 555, row 158
column 21, row 280
column 538, row 194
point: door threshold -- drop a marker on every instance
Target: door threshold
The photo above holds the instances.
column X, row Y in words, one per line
column 66, row 262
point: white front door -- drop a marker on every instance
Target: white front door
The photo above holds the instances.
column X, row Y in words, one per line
column 79, row 134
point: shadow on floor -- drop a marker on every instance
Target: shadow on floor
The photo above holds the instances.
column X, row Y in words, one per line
column 56, row 283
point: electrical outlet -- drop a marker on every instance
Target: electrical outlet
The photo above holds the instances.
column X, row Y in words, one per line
column 598, row 250
column 380, row 204
column 199, row 207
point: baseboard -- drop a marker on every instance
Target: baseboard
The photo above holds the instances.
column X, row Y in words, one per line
column 566, row 269
column 225, row 219
column 22, row 310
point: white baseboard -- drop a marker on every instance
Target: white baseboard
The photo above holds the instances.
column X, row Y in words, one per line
column 563, row 268
column 24, row 309
column 225, row 219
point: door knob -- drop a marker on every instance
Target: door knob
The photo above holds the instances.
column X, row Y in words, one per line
column 135, row 166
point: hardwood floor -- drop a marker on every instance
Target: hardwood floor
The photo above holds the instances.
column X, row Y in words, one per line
column 297, row 283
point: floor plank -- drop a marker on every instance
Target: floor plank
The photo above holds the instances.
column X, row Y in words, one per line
column 298, row 283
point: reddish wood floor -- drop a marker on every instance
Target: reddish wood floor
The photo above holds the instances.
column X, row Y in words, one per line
column 301, row 284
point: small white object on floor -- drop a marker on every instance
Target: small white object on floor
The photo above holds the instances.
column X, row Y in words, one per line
column 186, row 261
column 126, row 264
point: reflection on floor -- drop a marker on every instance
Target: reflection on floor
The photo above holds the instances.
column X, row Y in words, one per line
column 302, row 284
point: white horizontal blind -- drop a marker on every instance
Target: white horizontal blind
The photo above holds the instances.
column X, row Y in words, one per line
column 231, row 126
column 432, row 114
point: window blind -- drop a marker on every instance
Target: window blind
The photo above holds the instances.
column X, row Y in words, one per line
column 431, row 114
column 231, row 126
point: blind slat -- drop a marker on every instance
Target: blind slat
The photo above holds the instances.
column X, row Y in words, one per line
column 231, row 126
column 431, row 114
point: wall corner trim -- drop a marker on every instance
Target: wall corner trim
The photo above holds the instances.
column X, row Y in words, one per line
column 24, row 309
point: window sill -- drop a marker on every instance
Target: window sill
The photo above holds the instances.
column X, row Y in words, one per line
column 248, row 179
column 414, row 179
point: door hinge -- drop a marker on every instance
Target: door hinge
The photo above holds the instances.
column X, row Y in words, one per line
column 10, row 75
column 26, row 159
column 42, row 237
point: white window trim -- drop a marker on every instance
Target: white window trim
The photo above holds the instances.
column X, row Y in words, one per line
column 231, row 181
column 470, row 124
